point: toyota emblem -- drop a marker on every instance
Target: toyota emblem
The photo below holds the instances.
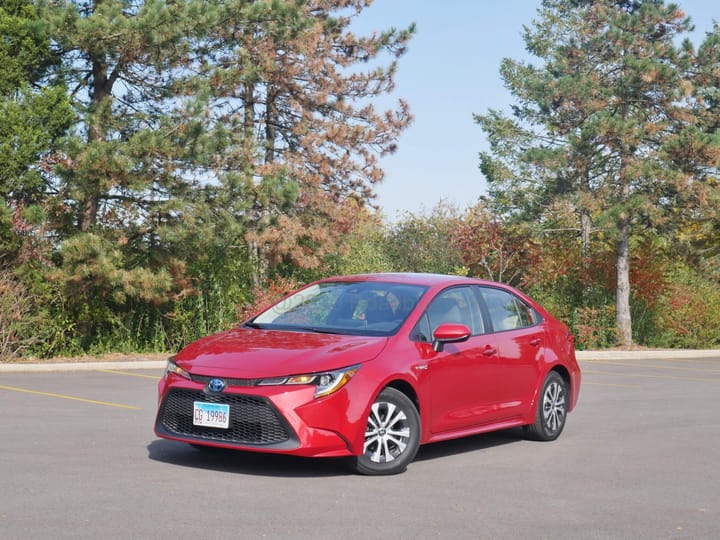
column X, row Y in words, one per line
column 216, row 385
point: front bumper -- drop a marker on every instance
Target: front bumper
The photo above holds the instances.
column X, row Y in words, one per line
column 262, row 419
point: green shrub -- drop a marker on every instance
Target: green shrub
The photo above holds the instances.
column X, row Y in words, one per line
column 594, row 327
column 689, row 312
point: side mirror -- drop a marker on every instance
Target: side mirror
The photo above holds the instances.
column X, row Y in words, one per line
column 449, row 333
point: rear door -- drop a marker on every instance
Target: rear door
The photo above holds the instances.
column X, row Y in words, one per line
column 520, row 341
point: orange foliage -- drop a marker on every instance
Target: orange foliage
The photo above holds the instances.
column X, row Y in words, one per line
column 263, row 297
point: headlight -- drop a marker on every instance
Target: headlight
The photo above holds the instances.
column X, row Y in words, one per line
column 172, row 367
column 325, row 383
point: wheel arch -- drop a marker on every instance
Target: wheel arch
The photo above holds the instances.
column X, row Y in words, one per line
column 407, row 389
column 572, row 383
column 564, row 373
column 560, row 370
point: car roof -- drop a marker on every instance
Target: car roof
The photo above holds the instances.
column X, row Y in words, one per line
column 428, row 280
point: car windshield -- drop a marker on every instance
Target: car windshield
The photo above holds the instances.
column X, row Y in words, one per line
column 342, row 307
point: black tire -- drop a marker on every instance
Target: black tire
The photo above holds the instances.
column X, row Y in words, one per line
column 552, row 409
column 392, row 435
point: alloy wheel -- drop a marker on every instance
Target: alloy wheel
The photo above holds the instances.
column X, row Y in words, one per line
column 392, row 435
column 387, row 433
column 554, row 406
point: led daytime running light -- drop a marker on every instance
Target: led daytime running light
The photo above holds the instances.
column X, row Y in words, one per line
column 325, row 383
column 173, row 368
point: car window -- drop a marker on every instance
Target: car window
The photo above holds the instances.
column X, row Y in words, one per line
column 358, row 308
column 455, row 305
column 507, row 311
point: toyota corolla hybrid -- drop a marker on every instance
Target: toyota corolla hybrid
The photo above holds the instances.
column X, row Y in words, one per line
column 372, row 366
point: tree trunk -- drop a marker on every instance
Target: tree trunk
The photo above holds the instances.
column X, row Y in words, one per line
column 622, row 301
column 270, row 120
column 256, row 251
column 100, row 90
column 585, row 227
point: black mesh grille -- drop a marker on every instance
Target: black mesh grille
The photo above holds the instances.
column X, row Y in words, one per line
column 253, row 420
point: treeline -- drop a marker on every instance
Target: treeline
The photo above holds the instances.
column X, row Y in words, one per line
column 675, row 291
column 166, row 167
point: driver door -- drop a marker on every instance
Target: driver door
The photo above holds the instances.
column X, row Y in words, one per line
column 461, row 374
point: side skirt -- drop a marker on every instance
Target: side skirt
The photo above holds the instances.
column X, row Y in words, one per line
column 475, row 430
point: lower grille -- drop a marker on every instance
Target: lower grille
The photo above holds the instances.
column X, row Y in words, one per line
column 253, row 420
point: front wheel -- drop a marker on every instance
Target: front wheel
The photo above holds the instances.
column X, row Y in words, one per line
column 552, row 409
column 392, row 435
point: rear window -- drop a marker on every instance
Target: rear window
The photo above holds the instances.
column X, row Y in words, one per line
column 507, row 311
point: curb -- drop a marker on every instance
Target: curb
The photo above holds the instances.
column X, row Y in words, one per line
column 607, row 355
column 649, row 354
column 82, row 366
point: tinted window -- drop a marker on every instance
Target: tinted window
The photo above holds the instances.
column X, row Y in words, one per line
column 455, row 305
column 506, row 310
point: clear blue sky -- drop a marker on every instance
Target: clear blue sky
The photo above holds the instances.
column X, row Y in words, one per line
column 451, row 71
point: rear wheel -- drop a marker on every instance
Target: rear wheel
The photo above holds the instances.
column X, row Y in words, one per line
column 551, row 409
column 392, row 435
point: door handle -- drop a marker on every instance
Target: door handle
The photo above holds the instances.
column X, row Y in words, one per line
column 535, row 342
column 489, row 351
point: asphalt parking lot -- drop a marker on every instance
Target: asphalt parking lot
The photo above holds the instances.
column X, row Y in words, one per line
column 639, row 459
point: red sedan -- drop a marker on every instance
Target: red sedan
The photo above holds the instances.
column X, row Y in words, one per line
column 371, row 367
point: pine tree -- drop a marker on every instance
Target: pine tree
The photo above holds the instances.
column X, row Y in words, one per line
column 292, row 92
column 34, row 112
column 253, row 110
column 127, row 164
column 595, row 122
column 697, row 152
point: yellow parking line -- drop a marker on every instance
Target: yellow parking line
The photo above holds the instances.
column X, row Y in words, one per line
column 73, row 398
column 129, row 373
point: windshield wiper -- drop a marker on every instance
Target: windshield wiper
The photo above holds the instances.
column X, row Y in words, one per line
column 288, row 328
column 316, row 329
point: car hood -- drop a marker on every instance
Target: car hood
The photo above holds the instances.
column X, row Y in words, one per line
column 249, row 353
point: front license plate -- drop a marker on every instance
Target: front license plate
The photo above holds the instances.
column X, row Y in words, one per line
column 211, row 414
